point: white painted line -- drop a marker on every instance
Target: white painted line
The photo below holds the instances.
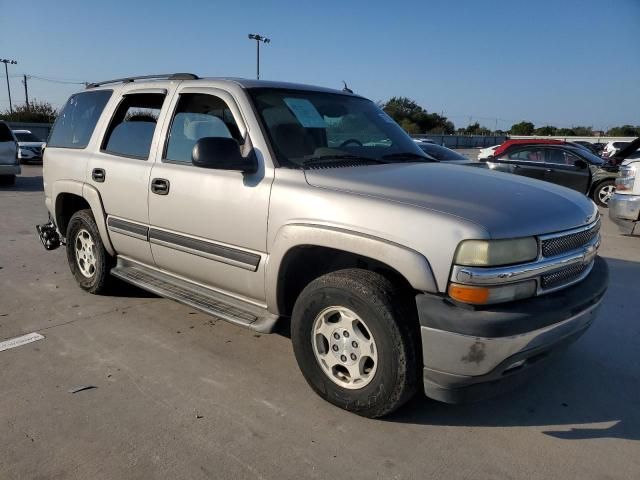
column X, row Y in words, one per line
column 19, row 341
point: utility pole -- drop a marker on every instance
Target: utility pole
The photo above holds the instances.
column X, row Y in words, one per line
column 26, row 91
column 6, row 72
column 258, row 38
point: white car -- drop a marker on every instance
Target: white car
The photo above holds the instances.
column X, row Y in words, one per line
column 9, row 166
column 29, row 146
column 424, row 140
column 487, row 152
column 612, row 148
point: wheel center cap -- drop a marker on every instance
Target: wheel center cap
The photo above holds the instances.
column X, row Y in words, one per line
column 342, row 347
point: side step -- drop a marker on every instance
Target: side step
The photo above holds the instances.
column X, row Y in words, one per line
column 200, row 298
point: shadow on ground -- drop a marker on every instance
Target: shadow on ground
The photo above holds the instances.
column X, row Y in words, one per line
column 596, row 381
column 24, row 184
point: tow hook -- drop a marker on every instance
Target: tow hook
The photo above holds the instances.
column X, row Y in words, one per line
column 49, row 236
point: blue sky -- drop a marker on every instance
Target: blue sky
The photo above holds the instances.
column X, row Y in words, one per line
column 564, row 62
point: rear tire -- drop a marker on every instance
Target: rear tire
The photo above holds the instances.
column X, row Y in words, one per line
column 89, row 262
column 355, row 339
column 603, row 191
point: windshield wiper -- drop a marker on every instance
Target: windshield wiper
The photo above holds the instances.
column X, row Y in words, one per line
column 324, row 158
column 408, row 156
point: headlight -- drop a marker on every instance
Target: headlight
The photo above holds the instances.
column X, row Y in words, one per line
column 493, row 253
column 495, row 294
column 626, row 178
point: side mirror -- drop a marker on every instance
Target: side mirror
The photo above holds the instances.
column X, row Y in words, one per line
column 581, row 164
column 222, row 153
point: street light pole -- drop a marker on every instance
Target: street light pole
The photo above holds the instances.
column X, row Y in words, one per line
column 258, row 39
column 6, row 72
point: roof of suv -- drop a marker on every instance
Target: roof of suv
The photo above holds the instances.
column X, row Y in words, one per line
column 242, row 82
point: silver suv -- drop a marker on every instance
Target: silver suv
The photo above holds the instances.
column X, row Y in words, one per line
column 260, row 202
column 9, row 164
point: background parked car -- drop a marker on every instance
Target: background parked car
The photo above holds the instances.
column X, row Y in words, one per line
column 9, row 166
column 560, row 163
column 611, row 148
column 595, row 148
column 29, row 146
column 486, row 152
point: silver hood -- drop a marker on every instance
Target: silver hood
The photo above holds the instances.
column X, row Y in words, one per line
column 504, row 205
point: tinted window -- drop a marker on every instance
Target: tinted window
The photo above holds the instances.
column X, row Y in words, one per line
column 440, row 153
column 26, row 137
column 133, row 124
column 561, row 157
column 198, row 116
column 527, row 155
column 5, row 133
column 77, row 119
column 304, row 125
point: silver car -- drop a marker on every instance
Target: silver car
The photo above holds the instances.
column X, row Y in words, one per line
column 263, row 202
column 9, row 165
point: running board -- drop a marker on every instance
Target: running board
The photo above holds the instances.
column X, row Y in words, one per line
column 208, row 301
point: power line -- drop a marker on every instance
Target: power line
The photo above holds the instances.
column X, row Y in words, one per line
column 53, row 80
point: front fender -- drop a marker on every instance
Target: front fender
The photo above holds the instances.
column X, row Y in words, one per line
column 412, row 265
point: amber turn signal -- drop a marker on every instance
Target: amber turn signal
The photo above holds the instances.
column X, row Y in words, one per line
column 469, row 294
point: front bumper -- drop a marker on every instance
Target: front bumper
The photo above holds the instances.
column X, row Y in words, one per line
column 473, row 353
column 624, row 211
column 10, row 169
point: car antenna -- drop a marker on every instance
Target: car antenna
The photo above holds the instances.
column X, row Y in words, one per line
column 345, row 88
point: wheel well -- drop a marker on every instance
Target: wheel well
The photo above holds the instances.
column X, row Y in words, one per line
column 303, row 264
column 595, row 186
column 66, row 205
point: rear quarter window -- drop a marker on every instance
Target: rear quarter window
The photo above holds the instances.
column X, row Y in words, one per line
column 77, row 119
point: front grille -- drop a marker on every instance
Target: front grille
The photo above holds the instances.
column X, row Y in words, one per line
column 563, row 276
column 559, row 245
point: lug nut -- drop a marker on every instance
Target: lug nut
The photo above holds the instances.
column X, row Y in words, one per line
column 343, row 358
column 335, row 348
column 353, row 356
column 346, row 334
column 336, row 336
column 354, row 344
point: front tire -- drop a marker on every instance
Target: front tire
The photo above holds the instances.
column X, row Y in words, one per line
column 89, row 262
column 354, row 337
column 603, row 192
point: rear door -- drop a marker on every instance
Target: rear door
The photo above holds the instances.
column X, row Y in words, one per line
column 121, row 168
column 525, row 161
column 567, row 169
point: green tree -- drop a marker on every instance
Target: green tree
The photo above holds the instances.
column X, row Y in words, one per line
column 522, row 128
column 475, row 129
column 624, row 131
column 546, row 130
column 583, row 131
column 415, row 119
column 36, row 112
column 567, row 132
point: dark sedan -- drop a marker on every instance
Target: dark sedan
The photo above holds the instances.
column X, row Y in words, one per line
column 560, row 163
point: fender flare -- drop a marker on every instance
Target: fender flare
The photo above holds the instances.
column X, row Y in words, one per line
column 411, row 264
column 92, row 197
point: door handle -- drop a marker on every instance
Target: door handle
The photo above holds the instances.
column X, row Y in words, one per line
column 516, row 166
column 98, row 175
column 160, row 186
column 549, row 170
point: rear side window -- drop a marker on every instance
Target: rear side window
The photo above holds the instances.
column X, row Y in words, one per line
column 5, row 133
column 133, row 125
column 77, row 119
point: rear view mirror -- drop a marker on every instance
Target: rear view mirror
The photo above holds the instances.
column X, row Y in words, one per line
column 222, row 153
column 580, row 164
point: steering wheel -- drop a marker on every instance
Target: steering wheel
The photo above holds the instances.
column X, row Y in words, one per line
column 351, row 140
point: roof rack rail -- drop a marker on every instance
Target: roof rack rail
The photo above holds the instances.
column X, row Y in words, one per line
column 166, row 76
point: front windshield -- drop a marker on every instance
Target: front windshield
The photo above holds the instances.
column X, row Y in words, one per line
column 306, row 126
column 26, row 137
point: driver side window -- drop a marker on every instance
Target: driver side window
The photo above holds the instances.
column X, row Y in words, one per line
column 198, row 116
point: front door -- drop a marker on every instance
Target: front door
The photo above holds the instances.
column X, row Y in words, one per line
column 207, row 225
column 526, row 161
column 567, row 169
